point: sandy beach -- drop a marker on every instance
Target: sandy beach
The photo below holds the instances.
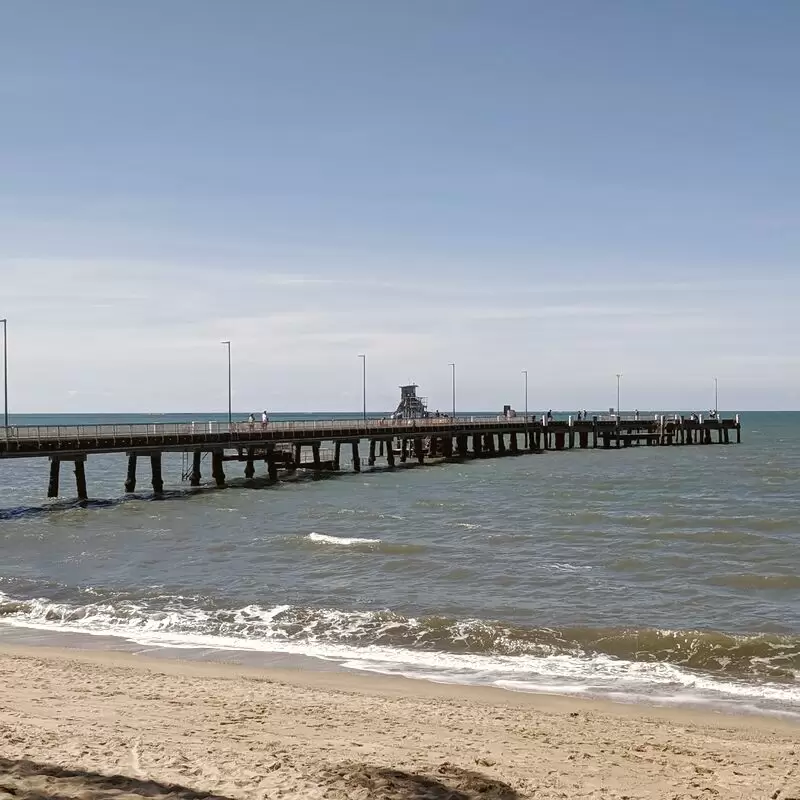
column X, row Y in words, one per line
column 118, row 726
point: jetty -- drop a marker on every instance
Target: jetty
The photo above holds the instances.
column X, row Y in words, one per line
column 286, row 447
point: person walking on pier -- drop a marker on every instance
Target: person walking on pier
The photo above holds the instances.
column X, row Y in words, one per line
column 264, row 419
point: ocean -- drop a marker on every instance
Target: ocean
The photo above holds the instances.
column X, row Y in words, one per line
column 663, row 575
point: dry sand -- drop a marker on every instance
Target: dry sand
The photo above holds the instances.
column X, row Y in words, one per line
column 122, row 727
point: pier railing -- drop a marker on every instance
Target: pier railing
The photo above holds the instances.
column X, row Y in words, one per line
column 140, row 430
column 298, row 427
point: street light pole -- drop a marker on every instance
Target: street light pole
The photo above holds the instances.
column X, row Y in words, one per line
column 525, row 373
column 716, row 396
column 230, row 408
column 5, row 373
column 452, row 364
column 619, row 375
column 363, row 358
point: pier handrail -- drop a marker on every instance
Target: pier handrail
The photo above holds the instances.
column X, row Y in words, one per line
column 201, row 430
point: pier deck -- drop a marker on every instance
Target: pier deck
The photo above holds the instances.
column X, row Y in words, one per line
column 281, row 444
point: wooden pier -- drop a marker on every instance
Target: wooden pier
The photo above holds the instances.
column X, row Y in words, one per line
column 286, row 447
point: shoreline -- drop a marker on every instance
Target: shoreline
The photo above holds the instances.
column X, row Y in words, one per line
column 243, row 732
column 14, row 637
column 295, row 673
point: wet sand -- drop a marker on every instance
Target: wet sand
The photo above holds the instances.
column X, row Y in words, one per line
column 119, row 726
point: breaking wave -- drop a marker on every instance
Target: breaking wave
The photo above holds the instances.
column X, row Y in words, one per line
column 662, row 665
column 323, row 538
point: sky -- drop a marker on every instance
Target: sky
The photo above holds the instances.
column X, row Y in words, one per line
column 576, row 189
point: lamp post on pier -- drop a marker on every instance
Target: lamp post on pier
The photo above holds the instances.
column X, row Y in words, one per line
column 230, row 392
column 525, row 373
column 5, row 373
column 716, row 397
column 452, row 364
column 619, row 375
column 363, row 358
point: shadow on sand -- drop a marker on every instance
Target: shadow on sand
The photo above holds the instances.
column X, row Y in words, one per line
column 28, row 780
column 448, row 783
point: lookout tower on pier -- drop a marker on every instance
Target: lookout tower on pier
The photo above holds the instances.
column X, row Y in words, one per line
column 411, row 406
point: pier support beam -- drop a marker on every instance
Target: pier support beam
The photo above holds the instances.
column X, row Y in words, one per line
column 217, row 470
column 418, row 451
column 447, row 447
column 356, row 458
column 55, row 470
column 477, row 445
column 463, row 445
column 337, row 455
column 272, row 464
column 371, row 460
column 501, row 444
column 315, row 456
column 403, row 450
column 80, row 477
column 194, row 475
column 298, row 454
column 514, row 444
column 249, row 467
column 583, row 440
column 130, row 478
column 381, row 446
column 390, row 454
column 155, row 467
column 560, row 436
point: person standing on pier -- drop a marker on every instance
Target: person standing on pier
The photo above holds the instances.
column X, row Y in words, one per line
column 264, row 419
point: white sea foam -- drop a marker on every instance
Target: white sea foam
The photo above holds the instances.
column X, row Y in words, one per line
column 567, row 567
column 333, row 635
column 324, row 538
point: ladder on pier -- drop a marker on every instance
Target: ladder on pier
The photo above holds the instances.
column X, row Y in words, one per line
column 186, row 465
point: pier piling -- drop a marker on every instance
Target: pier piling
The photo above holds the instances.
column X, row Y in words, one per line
column 419, row 452
column 55, row 470
column 390, row 454
column 356, row 457
column 194, row 475
column 272, row 463
column 217, row 470
column 130, row 479
column 250, row 467
column 80, row 477
column 315, row 456
column 337, row 456
column 155, row 467
column 371, row 459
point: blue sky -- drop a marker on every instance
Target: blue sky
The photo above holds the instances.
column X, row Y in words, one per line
column 577, row 189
